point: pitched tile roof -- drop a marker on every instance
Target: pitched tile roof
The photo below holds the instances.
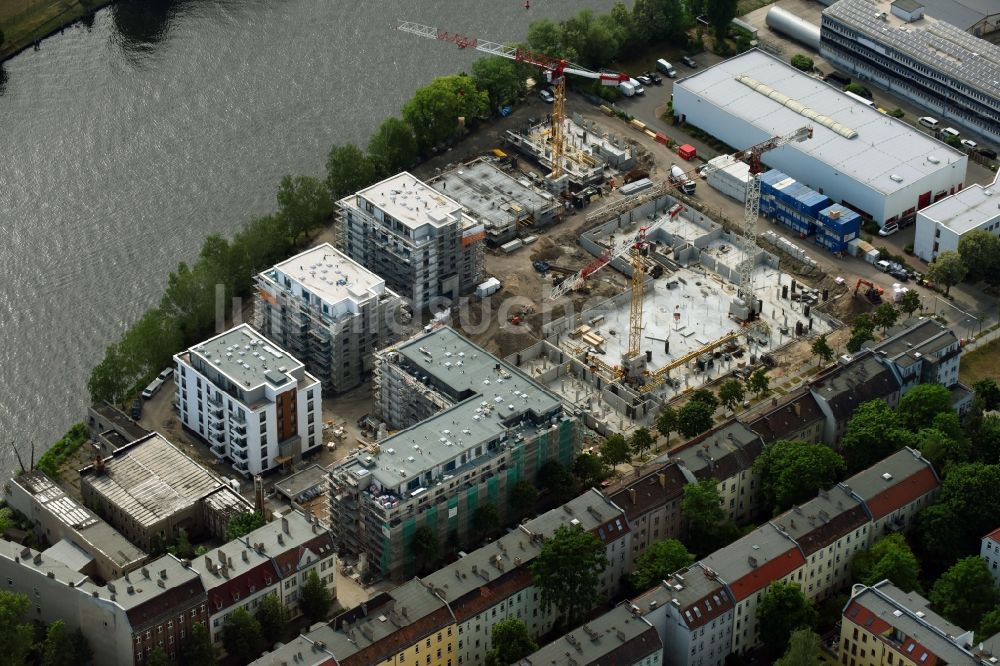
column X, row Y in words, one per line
column 823, row 520
column 720, row 453
column 894, row 482
column 615, row 638
column 755, row 561
column 847, row 386
column 656, row 486
column 783, row 420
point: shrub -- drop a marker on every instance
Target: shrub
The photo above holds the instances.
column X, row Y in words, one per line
column 803, row 62
column 908, row 249
column 897, row 113
column 52, row 459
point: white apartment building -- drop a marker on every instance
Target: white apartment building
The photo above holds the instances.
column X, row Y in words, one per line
column 920, row 351
column 422, row 242
column 990, row 552
column 331, row 312
column 941, row 225
column 253, row 402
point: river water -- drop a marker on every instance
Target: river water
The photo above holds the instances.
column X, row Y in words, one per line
column 125, row 142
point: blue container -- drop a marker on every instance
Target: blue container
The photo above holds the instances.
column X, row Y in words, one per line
column 842, row 223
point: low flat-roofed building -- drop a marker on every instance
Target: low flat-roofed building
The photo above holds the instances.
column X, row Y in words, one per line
column 150, row 489
column 874, row 164
column 56, row 516
column 502, row 202
column 941, row 226
column 620, row 637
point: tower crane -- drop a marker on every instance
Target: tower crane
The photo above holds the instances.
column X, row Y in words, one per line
column 555, row 70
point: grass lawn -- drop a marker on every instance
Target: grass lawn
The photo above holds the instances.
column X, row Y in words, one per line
column 23, row 21
column 981, row 363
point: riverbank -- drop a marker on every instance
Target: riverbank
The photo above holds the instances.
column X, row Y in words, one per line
column 27, row 22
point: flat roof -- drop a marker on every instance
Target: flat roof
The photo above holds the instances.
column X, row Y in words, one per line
column 939, row 45
column 413, row 202
column 330, row 275
column 292, row 486
column 70, row 554
column 151, row 479
column 616, row 637
column 493, row 394
column 963, row 14
column 884, row 146
column 247, row 358
column 492, row 195
column 967, row 209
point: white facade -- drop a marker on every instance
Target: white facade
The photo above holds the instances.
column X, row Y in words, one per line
column 251, row 401
column 941, row 226
column 990, row 552
column 475, row 633
column 864, row 159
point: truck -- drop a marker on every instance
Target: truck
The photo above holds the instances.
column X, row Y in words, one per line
column 681, row 181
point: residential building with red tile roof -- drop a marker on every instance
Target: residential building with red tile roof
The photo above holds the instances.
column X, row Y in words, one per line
column 894, row 490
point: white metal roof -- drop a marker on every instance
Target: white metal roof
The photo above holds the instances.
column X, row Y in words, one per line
column 884, row 146
column 412, row 202
column 967, row 209
column 330, row 275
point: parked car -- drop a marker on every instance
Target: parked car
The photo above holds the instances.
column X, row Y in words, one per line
column 644, row 79
column 928, row 121
column 665, row 67
column 969, row 143
column 136, row 411
column 655, row 78
column 883, row 265
column 166, row 374
column 546, row 96
column 950, row 131
column 900, row 275
column 151, row 390
column 889, row 229
column 689, row 61
column 988, row 153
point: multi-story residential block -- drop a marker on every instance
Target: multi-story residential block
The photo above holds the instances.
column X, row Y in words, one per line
column 894, row 491
column 329, row 311
column 149, row 490
column 840, row 390
column 693, row 614
column 249, row 399
column 929, row 62
column 725, row 453
column 494, row 582
column 990, row 552
column 124, row 620
column 98, row 549
column 652, row 503
column 621, row 637
column 884, row 626
column 920, row 351
column 474, row 426
column 408, row 626
column 796, row 416
column 422, row 242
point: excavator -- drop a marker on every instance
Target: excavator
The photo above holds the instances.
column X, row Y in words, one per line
column 873, row 293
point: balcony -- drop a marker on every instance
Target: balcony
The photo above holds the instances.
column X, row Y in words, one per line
column 219, row 437
column 216, row 427
column 238, row 429
column 215, row 402
column 240, row 454
column 238, row 444
column 215, row 413
column 240, row 465
column 218, row 450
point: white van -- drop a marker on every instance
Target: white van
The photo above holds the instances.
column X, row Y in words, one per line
column 626, row 88
column 927, row 121
column 950, row 131
column 667, row 69
column 153, row 387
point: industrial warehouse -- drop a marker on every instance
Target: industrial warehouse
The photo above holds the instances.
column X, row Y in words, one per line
column 873, row 164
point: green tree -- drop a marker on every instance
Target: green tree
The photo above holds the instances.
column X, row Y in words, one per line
column 980, row 252
column 2, row 38
column 511, row 643
column 500, row 79
column 666, row 422
column 16, row 635
column 198, row 650
column 910, row 302
column 858, row 89
column 523, row 498
column 941, row 449
column 63, row 646
column 986, row 443
column 822, row 350
column 590, row 470
column 708, row 526
column 303, row 204
column 558, row 481
column 720, row 13
column 545, row 37
column 803, row 62
column 658, row 561
column 348, row 169
column 486, row 519
column 640, row 441
column 393, row 147
column 435, row 110
column 885, row 316
column 593, row 41
column 694, row 418
column 966, row 509
column 873, row 433
column 965, row 592
column 782, row 610
column 661, row 20
column 948, row 269
column 803, row 649
column 615, row 450
column 990, row 624
column 731, row 394
column 791, row 471
column 272, row 616
column 988, row 390
column 157, row 657
column 425, row 547
column 568, row 570
column 859, row 336
column 705, row 396
column 260, row 244
column 314, row 599
column 243, row 524
column 888, row 558
column 182, row 545
column 758, row 382
column 242, row 637
column 922, row 403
